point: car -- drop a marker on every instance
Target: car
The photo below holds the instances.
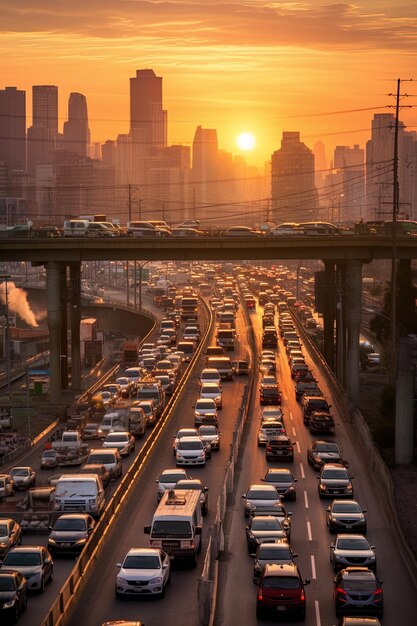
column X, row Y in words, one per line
column 143, row 572
column 90, row 432
column 269, row 379
column 203, row 407
column 346, row 516
column 209, row 433
column 268, row 365
column 183, row 432
column 210, row 375
column 281, row 591
column 34, row 562
column 6, row 486
column 195, row 484
column 307, row 386
column 125, row 384
column 351, row 550
column 10, row 535
column 168, row 479
column 283, row 481
column 241, row 231
column 269, row 429
column 106, row 398
column 279, row 448
column 191, row 451
column 98, row 469
column 122, row 440
column 299, row 370
column 334, row 481
column 23, row 477
column 272, row 413
column 70, row 533
column 150, row 410
column 212, row 391
column 13, row 594
column 321, row 422
column 261, row 498
column 277, row 553
column 359, row 621
column 313, row 403
column 358, row 590
column 269, row 393
column 241, row 367
column 263, row 528
column 321, row 452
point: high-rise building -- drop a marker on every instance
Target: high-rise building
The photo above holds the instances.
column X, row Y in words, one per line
column 13, row 127
column 42, row 135
column 347, row 194
column 205, row 172
column 148, row 120
column 76, row 131
column 294, row 193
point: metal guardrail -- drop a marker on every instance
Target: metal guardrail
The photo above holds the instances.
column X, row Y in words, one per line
column 61, row 607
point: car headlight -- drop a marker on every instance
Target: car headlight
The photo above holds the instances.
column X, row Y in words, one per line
column 81, row 541
column 10, row 604
column 155, row 581
column 218, row 399
column 3, row 545
column 372, row 558
column 120, row 580
column 323, row 487
column 50, row 540
column 349, row 487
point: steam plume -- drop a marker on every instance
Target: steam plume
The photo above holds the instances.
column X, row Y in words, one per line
column 17, row 301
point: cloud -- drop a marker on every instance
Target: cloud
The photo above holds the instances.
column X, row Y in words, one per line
column 317, row 24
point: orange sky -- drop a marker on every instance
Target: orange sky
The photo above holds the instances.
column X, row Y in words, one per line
column 252, row 65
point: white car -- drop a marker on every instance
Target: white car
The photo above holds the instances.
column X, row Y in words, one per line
column 168, row 479
column 183, row 432
column 123, row 441
column 203, row 407
column 144, row 572
column 210, row 434
column 212, row 391
column 23, row 477
column 191, row 451
column 210, row 375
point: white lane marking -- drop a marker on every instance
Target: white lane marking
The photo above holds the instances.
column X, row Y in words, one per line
column 306, row 499
column 298, row 447
column 290, row 416
column 310, row 536
column 317, row 609
column 313, row 567
column 302, row 470
column 293, row 431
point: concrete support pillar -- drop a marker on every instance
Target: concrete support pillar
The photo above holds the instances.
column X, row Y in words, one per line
column 53, row 284
column 64, row 327
column 353, row 322
column 329, row 313
column 404, row 404
column 341, row 333
column 75, row 281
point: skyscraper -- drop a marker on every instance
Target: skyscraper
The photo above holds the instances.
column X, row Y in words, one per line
column 294, row 193
column 205, row 172
column 42, row 135
column 13, row 127
column 148, row 120
column 76, row 131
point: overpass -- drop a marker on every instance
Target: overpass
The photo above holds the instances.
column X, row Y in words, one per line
column 343, row 257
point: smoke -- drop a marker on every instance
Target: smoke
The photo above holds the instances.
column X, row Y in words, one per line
column 17, row 302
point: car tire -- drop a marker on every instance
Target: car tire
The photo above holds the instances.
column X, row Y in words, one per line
column 42, row 587
column 51, row 576
column 15, row 616
column 118, row 595
column 25, row 603
column 259, row 612
column 19, row 542
column 294, row 497
column 302, row 614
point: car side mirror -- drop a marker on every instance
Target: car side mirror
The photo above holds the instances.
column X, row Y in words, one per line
column 90, row 530
column 332, row 546
column 263, row 480
column 328, row 509
column 47, row 561
column 147, row 530
column 50, row 528
column 118, row 565
column 165, row 565
column 364, row 510
column 307, row 581
column 373, row 547
column 294, row 556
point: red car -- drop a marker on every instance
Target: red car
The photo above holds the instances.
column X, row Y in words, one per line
column 281, row 591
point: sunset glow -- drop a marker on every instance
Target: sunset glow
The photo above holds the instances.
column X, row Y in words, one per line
column 245, row 141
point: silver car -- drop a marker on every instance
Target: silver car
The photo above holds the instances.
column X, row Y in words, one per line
column 23, row 477
column 123, row 441
column 352, row 551
column 34, row 562
column 261, row 498
column 144, row 572
column 168, row 479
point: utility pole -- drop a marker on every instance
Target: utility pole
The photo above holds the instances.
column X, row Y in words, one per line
column 130, row 202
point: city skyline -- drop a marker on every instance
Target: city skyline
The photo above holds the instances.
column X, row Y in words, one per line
column 253, row 66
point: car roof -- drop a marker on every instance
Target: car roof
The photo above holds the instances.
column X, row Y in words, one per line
column 262, row 487
column 285, row 569
column 278, row 470
column 143, row 551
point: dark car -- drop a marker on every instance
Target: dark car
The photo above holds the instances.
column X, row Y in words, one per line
column 276, row 553
column 335, row 482
column 269, row 394
column 70, row 533
column 283, row 481
column 280, row 448
column 268, row 320
column 263, row 528
column 269, row 339
column 321, row 422
column 96, row 468
column 10, row 535
column 346, row 516
column 281, row 591
column 13, row 595
column 352, row 550
column 298, row 368
column 322, row 452
column 359, row 621
column 313, row 403
column 358, row 590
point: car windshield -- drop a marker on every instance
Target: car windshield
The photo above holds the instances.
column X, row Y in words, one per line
column 336, row 474
column 327, row 447
column 279, row 478
column 170, row 478
column 275, row 553
column 141, row 562
column 257, row 494
column 281, row 582
column 2, row 482
column 360, row 585
column 3, row 530
column 205, row 404
column 24, row 559
column 116, row 438
column 102, row 458
column 190, row 445
column 353, row 543
column 207, row 430
column 266, row 524
column 171, row 528
column 346, row 507
column 7, row 583
column 20, row 471
column 70, row 524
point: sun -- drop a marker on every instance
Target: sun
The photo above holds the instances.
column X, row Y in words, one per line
column 245, row 141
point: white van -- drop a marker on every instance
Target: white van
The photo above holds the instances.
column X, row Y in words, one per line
column 177, row 525
column 109, row 423
column 75, row 228
column 76, row 492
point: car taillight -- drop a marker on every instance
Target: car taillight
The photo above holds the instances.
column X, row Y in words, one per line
column 378, row 592
column 302, row 596
column 260, row 596
column 340, row 590
column 269, row 448
column 289, row 448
